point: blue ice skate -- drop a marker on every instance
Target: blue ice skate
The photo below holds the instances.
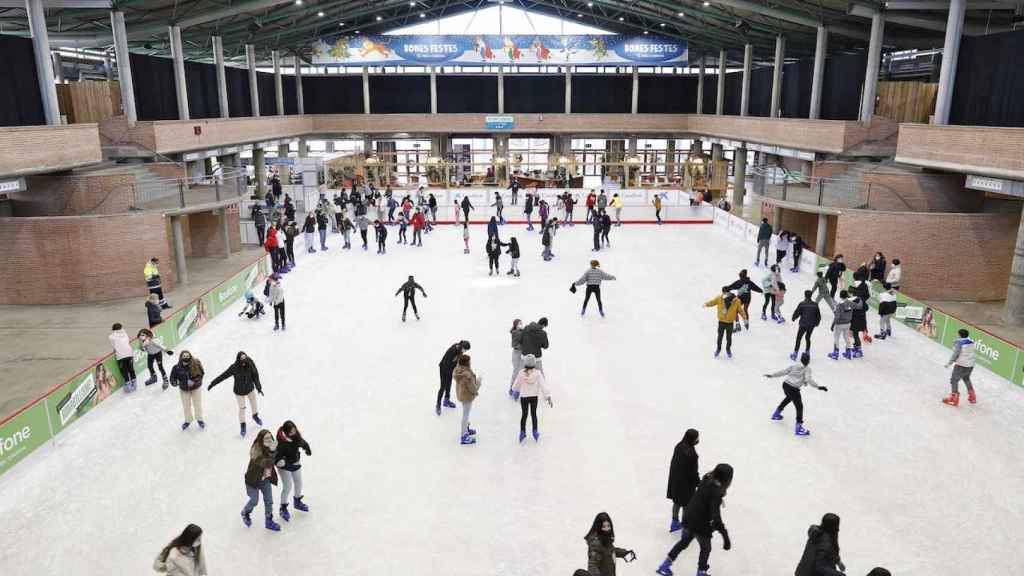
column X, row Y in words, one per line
column 522, row 437
column 676, row 526
column 246, row 519
column 536, row 436
column 857, row 352
column 241, row 429
column 777, row 415
column 271, row 525
column 834, row 354
column 467, row 439
column 666, row 568
column 801, row 431
column 256, row 418
column 792, row 355
column 728, row 354
column 470, row 431
column 299, row 504
column 449, row 404
column 285, row 514
column 185, row 425
column 848, row 354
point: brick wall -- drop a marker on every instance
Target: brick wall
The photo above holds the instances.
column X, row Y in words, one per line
column 805, row 224
column 76, row 259
column 945, row 256
column 166, row 169
column 186, row 237
column 830, row 168
column 74, row 195
column 206, row 233
column 920, row 192
column 42, row 149
column 983, row 150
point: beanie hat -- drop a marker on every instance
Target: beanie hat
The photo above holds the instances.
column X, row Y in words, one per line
column 530, row 361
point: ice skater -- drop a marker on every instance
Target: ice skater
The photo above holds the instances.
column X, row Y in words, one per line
column 513, row 252
column 764, row 240
column 617, row 204
column 545, row 240
column 403, row 225
column 516, row 333
column 702, row 519
column 593, row 278
column 498, row 205
column 467, row 206
column 322, row 221
column 535, row 340
column 528, row 211
column 408, row 292
column 124, row 355
column 154, row 354
column 797, row 376
column 798, row 251
column 246, row 385
column 308, row 229
column 187, row 376
column 887, row 305
column 346, row 231
column 782, row 246
column 606, row 228
column 834, row 274
column 419, row 222
column 381, row 233
column 770, row 284
column 289, row 442
column 821, row 290
column 259, row 476
column 744, row 287
column 291, row 231
column 184, row 555
column 447, row 370
column 601, row 549
column 465, row 237
column 962, row 362
column 821, row 553
column 809, row 316
column 683, row 476
column 657, row 207
column 364, row 224
column 598, row 226
column 253, row 308
column 467, row 388
column 492, row 227
column 729, row 309
column 275, row 296
column 493, row 249
column 842, row 316
column 529, row 385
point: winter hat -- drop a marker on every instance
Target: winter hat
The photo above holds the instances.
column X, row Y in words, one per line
column 530, row 361
column 464, row 344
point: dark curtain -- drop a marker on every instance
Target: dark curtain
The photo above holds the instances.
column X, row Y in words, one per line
column 268, row 95
column 733, row 93
column 239, row 100
column 400, row 94
column 332, row 94
column 153, row 79
column 477, row 94
column 796, row 88
column 201, row 80
column 989, row 87
column 21, row 104
column 761, row 91
column 597, row 93
column 667, row 94
column 291, row 102
column 525, row 94
column 840, row 94
column 710, row 93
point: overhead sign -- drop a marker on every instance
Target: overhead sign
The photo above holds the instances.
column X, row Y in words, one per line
column 494, row 49
column 499, row 122
column 997, row 185
column 16, row 185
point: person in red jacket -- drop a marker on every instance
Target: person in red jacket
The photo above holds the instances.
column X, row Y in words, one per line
column 271, row 244
column 418, row 223
column 591, row 199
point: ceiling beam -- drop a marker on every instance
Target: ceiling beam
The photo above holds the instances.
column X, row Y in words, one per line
column 795, row 18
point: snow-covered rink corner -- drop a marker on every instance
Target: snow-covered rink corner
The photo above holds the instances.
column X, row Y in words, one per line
column 922, row 488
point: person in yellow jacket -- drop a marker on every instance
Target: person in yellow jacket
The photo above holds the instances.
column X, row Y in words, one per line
column 617, row 204
column 729, row 307
column 152, row 275
column 657, row 207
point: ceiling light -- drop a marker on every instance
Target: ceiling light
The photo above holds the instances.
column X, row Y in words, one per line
column 422, row 15
column 681, row 14
column 621, row 18
column 579, row 15
column 412, row 3
column 706, row 3
column 320, row 14
column 379, row 18
column 590, row 4
column 341, row 23
column 662, row 24
column 298, row 2
column 645, row 32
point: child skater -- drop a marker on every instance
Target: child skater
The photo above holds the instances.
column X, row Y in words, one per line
column 886, row 308
column 154, row 353
column 797, row 376
column 123, row 352
column 962, row 361
column 529, row 385
column 513, row 251
column 465, row 236
column 382, row 235
column 467, row 387
column 289, row 442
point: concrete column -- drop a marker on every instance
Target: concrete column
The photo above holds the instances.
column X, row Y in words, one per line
column 1013, row 311
column 700, row 86
column 303, row 148
column 568, row 89
column 776, row 218
column 867, row 104
column 179, row 250
column 178, row 55
column 739, row 188
column 58, row 67
column 748, row 60
column 254, row 92
column 636, row 89
column 124, row 67
column 300, row 104
column 282, row 169
column 108, row 67
column 278, row 82
column 807, row 168
column 222, row 82
column 950, row 54
column 822, row 237
column 780, row 60
column 225, row 231
column 720, row 98
column 44, row 66
column 259, row 162
column 366, row 90
column 820, row 51
column 501, row 89
column 433, row 90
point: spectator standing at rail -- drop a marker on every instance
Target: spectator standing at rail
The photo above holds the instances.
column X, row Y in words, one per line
column 152, row 275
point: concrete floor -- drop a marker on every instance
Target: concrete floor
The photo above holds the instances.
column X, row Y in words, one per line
column 985, row 315
column 42, row 346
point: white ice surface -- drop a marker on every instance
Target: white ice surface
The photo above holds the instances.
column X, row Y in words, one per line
column 922, row 488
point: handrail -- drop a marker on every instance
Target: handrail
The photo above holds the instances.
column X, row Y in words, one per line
column 159, row 188
column 122, row 140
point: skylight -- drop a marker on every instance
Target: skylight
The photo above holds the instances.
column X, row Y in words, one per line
column 487, row 21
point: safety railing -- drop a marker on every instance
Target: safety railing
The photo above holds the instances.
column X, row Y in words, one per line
column 178, row 193
column 780, row 184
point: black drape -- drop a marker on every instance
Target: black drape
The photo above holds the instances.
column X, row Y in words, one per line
column 760, row 92
column 332, row 94
column 201, row 80
column 20, row 101
column 400, row 94
column 710, row 93
column 239, row 100
column 602, row 93
column 477, row 94
column 526, row 94
column 796, row 88
column 840, row 95
column 153, row 80
column 733, row 93
column 291, row 102
column 268, row 95
column 989, row 88
column 667, row 94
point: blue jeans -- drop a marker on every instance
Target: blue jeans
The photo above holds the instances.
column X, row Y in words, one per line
column 323, row 238
column 254, row 496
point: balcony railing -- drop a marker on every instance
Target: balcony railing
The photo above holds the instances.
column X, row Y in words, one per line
column 179, row 193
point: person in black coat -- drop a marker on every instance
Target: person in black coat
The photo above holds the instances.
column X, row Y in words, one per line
column 289, row 470
column 408, row 291
column 598, row 225
column 513, row 252
column 606, row 228
column 493, row 249
column 703, row 517
column 535, row 341
column 810, row 316
column 447, row 368
column 154, row 313
column 821, row 553
column 833, row 273
column 683, row 477
column 798, row 250
column 743, row 287
column 247, row 384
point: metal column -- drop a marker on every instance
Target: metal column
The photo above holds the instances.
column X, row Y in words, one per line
column 300, row 104
column 178, row 55
column 950, row 54
column 366, row 90
column 124, row 67
column 820, row 51
column 275, row 56
column 433, row 90
column 501, row 89
column 44, row 66
column 58, row 67
column 260, row 164
column 780, row 59
column 720, row 85
column 108, row 67
column 225, row 231
column 867, row 104
column 700, row 86
column 222, row 82
column 179, row 250
column 636, row 89
column 254, row 91
column 568, row 89
column 748, row 57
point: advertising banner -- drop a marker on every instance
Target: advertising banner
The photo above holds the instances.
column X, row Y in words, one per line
column 22, row 434
column 998, row 356
column 427, row 50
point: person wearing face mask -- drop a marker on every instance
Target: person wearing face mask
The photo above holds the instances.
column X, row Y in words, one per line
column 703, row 518
column 260, row 475
column 184, row 555
column 601, row 549
column 821, row 553
column 289, row 442
column 683, row 477
column 187, row 375
column 247, row 384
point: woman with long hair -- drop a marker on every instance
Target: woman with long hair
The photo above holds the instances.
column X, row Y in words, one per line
column 601, row 550
column 683, row 476
column 154, row 354
column 184, row 555
column 247, row 384
column 821, row 553
column 259, row 476
column 289, row 442
column 703, row 518
column 530, row 385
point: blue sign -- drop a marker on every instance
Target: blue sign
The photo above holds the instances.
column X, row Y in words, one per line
column 499, row 122
column 362, row 50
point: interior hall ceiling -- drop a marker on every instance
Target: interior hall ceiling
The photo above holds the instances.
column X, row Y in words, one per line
column 291, row 26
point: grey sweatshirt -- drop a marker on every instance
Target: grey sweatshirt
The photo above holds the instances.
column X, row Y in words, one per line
column 151, row 346
column 797, row 376
column 593, row 277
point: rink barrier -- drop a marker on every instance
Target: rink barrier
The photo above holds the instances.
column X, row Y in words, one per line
column 44, row 418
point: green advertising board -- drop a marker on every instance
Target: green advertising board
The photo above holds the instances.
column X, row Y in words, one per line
column 21, row 435
column 83, row 392
column 998, row 356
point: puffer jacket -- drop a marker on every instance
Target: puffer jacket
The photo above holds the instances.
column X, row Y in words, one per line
column 178, row 563
column 246, row 376
column 808, row 313
column 534, row 340
column 467, row 385
column 261, row 468
column 601, row 558
column 188, row 377
column 728, row 308
column 843, row 312
column 820, row 555
column 530, row 382
column 517, row 338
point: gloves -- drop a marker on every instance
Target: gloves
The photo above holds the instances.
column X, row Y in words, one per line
column 572, row 288
column 629, row 556
column 210, row 387
column 767, row 375
column 726, row 542
column 515, row 394
column 308, row 451
column 260, row 390
column 280, row 463
column 550, row 403
column 169, row 352
column 841, row 566
column 823, row 388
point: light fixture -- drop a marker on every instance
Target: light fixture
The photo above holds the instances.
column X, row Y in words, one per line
column 500, row 160
column 357, row 31
column 412, row 4
column 645, row 32
column 298, row 2
column 590, row 4
column 341, row 23
column 706, row 3
column 662, row 24
column 320, row 14
column 422, row 15
column 373, row 161
column 681, row 14
column 621, row 18
column 379, row 18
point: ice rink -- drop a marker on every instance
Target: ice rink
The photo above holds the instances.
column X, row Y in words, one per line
column 922, row 488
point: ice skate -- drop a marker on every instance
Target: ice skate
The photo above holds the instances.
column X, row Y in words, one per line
column 470, row 432
column 285, row 514
column 202, row 425
column 467, row 439
column 834, row 354
column 857, row 352
column 952, row 400
column 256, row 419
column 449, row 404
column 299, row 504
column 417, row 316
column 522, row 437
column 151, row 380
column 792, row 355
column 675, row 526
column 848, row 354
column 777, row 415
column 971, row 397
column 165, row 383
column 246, row 519
column 728, row 354
column 437, row 410
column 241, row 429
column 801, row 431
column 536, row 436
column 185, row 425
column 271, row 525
column 666, row 568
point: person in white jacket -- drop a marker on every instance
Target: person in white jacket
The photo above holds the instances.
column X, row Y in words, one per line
column 276, row 298
column 895, row 274
column 530, row 385
column 797, row 376
column 123, row 353
column 184, row 555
